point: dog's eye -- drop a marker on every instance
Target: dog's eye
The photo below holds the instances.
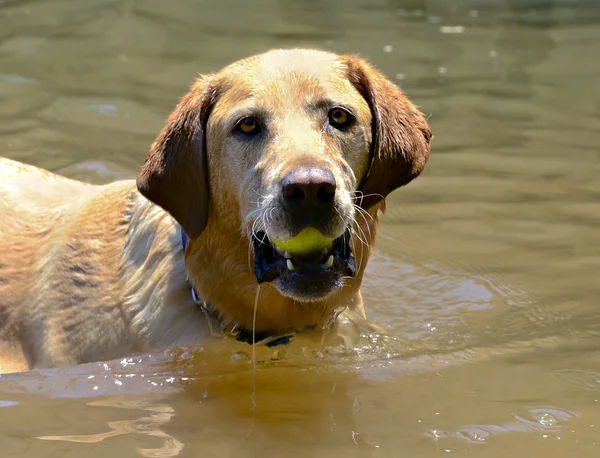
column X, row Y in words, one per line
column 247, row 126
column 340, row 118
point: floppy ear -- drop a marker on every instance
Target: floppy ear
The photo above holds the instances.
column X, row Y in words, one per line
column 401, row 137
column 175, row 174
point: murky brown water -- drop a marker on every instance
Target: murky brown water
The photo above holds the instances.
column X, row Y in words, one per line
column 485, row 269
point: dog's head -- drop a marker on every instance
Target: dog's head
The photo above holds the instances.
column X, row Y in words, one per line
column 280, row 142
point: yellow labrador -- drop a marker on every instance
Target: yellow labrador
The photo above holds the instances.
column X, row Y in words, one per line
column 257, row 152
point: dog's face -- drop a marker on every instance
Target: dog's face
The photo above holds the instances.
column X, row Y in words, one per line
column 280, row 142
column 290, row 138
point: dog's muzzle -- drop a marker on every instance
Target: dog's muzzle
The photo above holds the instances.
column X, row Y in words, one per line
column 304, row 276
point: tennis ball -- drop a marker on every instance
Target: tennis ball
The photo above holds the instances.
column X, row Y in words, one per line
column 308, row 240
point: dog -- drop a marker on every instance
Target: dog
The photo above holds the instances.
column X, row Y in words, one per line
column 257, row 152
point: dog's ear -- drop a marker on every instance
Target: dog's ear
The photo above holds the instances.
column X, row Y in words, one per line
column 401, row 137
column 175, row 174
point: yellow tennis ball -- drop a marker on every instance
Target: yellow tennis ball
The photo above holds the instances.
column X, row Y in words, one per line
column 308, row 240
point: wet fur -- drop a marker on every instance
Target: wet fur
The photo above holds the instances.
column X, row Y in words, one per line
column 96, row 272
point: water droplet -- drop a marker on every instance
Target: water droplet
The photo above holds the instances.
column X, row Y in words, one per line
column 547, row 420
column 437, row 434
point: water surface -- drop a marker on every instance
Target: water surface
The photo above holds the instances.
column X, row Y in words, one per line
column 485, row 270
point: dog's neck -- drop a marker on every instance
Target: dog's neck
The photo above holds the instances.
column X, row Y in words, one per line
column 242, row 334
column 219, row 267
column 238, row 331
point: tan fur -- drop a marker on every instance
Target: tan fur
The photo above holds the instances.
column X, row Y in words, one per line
column 96, row 272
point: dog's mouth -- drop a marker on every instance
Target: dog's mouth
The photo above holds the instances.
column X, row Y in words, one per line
column 307, row 275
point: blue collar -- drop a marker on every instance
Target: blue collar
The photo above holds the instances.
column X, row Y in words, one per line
column 184, row 239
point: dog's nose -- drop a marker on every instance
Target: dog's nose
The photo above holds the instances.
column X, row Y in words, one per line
column 308, row 186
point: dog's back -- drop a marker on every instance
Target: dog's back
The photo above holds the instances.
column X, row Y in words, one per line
column 86, row 272
column 32, row 202
column 59, row 242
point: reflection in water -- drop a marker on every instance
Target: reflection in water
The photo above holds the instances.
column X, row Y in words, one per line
column 531, row 23
column 544, row 420
column 149, row 426
column 524, row 41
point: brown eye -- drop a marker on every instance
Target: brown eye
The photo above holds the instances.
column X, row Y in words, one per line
column 339, row 118
column 247, row 126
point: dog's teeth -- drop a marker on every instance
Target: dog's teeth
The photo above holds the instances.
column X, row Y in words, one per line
column 327, row 264
column 291, row 266
column 287, row 255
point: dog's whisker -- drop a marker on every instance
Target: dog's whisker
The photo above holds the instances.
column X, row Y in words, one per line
column 344, row 236
column 253, row 230
column 262, row 196
column 358, row 196
column 362, row 210
column 261, row 241
column 361, row 257
column 265, row 237
column 264, row 227
column 368, row 227
column 358, row 258
column 254, row 212
column 260, row 224
column 353, row 239
column 251, row 245
column 362, row 196
column 362, row 214
column 356, row 234
column 270, row 215
column 360, row 234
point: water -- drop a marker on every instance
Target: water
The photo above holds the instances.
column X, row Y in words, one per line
column 485, row 267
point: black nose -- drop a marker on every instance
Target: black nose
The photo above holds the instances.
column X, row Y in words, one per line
column 308, row 187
